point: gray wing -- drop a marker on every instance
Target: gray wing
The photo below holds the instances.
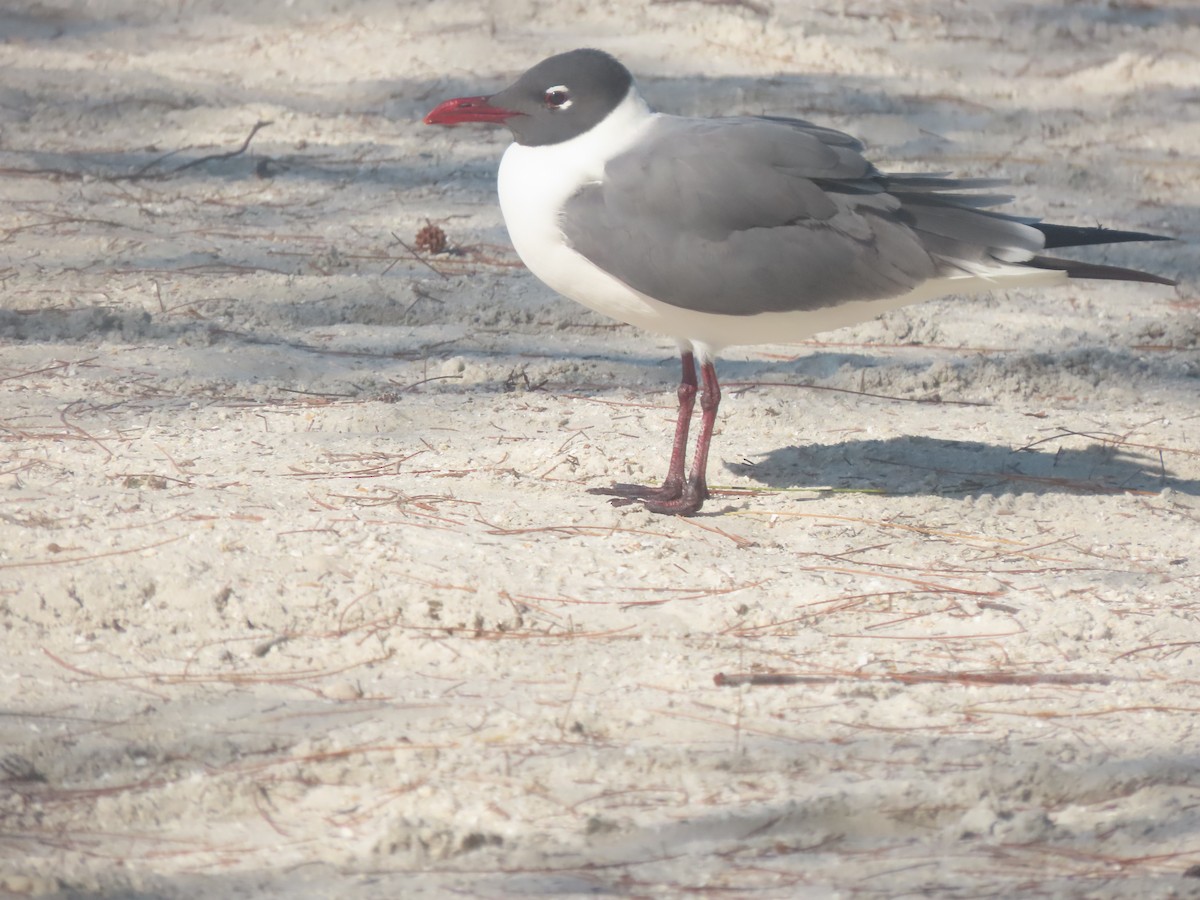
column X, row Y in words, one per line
column 749, row 215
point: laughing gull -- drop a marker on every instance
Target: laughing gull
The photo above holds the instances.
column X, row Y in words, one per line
column 739, row 230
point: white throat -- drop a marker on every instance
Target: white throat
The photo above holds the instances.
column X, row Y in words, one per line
column 535, row 182
column 538, row 180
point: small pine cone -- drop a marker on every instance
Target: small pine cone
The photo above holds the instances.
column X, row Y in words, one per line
column 431, row 239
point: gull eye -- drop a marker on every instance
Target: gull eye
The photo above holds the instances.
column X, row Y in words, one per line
column 557, row 97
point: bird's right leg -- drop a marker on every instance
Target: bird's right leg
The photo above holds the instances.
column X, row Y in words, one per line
column 672, row 486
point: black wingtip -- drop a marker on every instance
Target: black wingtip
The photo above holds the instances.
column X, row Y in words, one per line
column 1081, row 236
column 1075, row 269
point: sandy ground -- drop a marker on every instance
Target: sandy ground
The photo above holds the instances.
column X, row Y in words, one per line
column 301, row 591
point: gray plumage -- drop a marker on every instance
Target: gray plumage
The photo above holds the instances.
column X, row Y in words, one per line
column 747, row 215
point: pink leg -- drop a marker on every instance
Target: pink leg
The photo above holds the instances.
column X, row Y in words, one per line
column 676, row 496
column 695, row 490
column 672, row 486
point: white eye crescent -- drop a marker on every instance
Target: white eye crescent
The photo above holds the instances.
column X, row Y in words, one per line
column 557, row 97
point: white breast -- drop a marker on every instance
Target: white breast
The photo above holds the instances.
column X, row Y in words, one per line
column 535, row 182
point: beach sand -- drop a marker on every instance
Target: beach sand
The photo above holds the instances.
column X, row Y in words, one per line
column 303, row 595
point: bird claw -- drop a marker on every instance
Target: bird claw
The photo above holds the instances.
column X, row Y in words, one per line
column 625, row 494
column 619, row 501
column 669, row 499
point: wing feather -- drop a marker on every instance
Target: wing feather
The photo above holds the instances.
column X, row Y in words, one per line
column 765, row 214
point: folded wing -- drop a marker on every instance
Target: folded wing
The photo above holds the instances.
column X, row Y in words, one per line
column 764, row 214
